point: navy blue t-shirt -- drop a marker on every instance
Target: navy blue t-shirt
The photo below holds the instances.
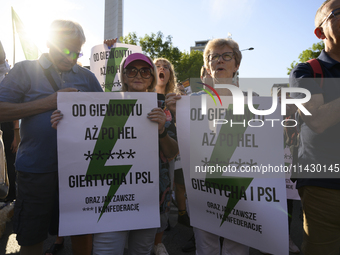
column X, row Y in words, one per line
column 319, row 149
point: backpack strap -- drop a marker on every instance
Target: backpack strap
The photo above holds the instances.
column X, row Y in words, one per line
column 317, row 69
column 293, row 135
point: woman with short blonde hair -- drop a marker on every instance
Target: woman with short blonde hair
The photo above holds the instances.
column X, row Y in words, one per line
column 222, row 59
column 220, row 43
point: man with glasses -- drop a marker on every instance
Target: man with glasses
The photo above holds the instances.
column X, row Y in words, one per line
column 28, row 93
column 320, row 138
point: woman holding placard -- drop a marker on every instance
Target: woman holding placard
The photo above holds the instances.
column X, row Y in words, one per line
column 138, row 75
column 222, row 59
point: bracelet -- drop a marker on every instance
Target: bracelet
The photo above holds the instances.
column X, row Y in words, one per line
column 165, row 132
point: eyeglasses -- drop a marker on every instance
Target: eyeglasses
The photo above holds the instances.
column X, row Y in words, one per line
column 227, row 56
column 73, row 55
column 132, row 72
column 335, row 13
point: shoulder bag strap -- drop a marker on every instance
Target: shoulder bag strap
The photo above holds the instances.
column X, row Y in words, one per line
column 50, row 79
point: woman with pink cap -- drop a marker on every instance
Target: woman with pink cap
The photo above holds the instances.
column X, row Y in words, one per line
column 139, row 74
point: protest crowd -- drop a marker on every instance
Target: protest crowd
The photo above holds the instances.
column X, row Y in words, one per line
column 29, row 93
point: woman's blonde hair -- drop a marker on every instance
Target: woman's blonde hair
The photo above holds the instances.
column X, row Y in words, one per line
column 151, row 88
column 171, row 84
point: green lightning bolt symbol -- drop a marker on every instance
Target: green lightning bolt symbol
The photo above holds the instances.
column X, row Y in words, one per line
column 103, row 144
column 222, row 151
column 113, row 63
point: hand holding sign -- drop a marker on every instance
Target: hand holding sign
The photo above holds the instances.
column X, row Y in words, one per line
column 157, row 115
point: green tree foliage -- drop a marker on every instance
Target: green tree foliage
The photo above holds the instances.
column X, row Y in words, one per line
column 155, row 46
column 187, row 65
column 308, row 54
column 131, row 38
column 190, row 65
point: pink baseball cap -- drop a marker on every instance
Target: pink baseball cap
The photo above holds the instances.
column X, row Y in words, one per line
column 137, row 56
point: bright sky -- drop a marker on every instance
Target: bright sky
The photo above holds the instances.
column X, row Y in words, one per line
column 278, row 30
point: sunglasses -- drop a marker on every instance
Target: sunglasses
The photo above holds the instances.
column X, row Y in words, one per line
column 72, row 55
column 227, row 56
column 335, row 13
column 132, row 72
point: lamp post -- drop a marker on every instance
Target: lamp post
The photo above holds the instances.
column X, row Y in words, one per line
column 237, row 72
column 251, row 48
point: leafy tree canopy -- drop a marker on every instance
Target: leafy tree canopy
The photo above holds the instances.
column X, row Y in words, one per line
column 187, row 65
column 190, row 65
column 308, row 54
column 155, row 46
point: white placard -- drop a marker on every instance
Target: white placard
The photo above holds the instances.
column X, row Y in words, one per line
column 108, row 162
column 105, row 63
column 234, row 205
